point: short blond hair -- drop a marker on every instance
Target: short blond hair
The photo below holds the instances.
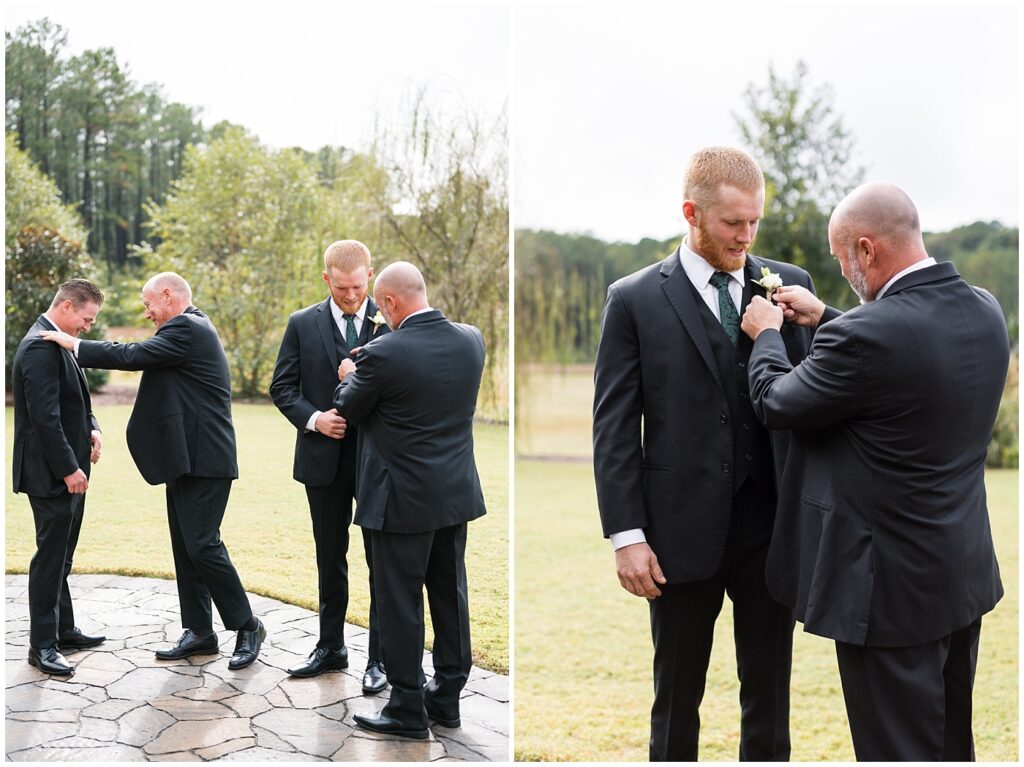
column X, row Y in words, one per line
column 713, row 166
column 346, row 256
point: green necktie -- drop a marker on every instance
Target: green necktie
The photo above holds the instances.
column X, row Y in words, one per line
column 726, row 308
column 351, row 339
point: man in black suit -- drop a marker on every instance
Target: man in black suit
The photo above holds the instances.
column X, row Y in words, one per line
column 316, row 340
column 413, row 393
column 685, row 473
column 883, row 540
column 180, row 434
column 55, row 438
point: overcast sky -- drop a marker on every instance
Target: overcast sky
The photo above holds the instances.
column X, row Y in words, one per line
column 609, row 104
column 295, row 73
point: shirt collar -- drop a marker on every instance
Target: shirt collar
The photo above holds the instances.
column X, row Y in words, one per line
column 50, row 322
column 418, row 311
column 339, row 315
column 924, row 263
column 700, row 271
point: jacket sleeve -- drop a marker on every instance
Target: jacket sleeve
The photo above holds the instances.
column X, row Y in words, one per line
column 286, row 385
column 357, row 395
column 41, row 368
column 167, row 348
column 618, row 409
column 824, row 389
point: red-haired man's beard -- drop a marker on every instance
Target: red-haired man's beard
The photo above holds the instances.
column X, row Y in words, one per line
column 718, row 255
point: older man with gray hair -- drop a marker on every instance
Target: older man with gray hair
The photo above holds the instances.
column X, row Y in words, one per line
column 180, row 434
column 882, row 540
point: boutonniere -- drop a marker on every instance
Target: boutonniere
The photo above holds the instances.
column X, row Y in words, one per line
column 377, row 320
column 769, row 281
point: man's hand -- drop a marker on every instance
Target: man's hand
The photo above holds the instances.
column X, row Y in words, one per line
column 760, row 315
column 330, row 424
column 59, row 337
column 77, row 482
column 799, row 305
column 638, row 570
column 347, row 366
column 97, row 446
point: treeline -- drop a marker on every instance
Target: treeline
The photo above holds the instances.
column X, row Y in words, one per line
column 247, row 224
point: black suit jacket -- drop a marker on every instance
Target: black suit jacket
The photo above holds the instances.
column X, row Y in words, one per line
column 53, row 418
column 662, row 433
column 882, row 536
column 305, row 378
column 181, row 422
column 414, row 395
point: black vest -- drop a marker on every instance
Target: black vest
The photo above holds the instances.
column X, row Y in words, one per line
column 751, row 443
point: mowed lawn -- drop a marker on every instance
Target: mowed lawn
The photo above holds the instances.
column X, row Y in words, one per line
column 583, row 647
column 267, row 527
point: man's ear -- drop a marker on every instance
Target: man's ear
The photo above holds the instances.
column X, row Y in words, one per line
column 690, row 212
column 867, row 248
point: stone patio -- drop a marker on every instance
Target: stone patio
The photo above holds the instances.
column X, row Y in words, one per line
column 124, row 705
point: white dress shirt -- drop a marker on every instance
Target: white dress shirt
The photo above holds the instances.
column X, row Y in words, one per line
column 700, row 272
column 339, row 320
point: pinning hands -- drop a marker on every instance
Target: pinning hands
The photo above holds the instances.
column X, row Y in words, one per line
column 799, row 305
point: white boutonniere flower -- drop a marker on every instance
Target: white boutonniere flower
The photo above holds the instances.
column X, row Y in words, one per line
column 769, row 281
column 377, row 320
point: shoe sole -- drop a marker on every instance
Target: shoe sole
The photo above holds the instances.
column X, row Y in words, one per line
column 411, row 734
column 309, row 675
column 213, row 651
column 69, row 672
column 451, row 724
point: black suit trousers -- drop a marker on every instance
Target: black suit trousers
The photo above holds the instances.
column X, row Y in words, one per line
column 202, row 567
column 58, row 522
column 406, row 562
column 682, row 625
column 912, row 704
column 330, row 508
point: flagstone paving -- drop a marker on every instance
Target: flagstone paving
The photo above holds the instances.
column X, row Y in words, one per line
column 124, row 705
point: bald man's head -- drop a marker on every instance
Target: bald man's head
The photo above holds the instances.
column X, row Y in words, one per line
column 875, row 233
column 165, row 295
column 399, row 290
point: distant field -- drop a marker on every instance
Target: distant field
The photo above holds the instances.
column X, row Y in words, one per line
column 267, row 527
column 583, row 648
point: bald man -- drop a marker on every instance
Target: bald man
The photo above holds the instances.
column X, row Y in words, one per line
column 413, row 392
column 180, row 434
column 882, row 540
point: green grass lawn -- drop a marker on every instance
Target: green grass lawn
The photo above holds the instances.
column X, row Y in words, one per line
column 583, row 646
column 267, row 527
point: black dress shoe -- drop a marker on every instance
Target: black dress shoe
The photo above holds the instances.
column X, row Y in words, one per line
column 445, row 721
column 247, row 647
column 375, row 679
column 49, row 661
column 191, row 644
column 74, row 639
column 320, row 660
column 387, row 725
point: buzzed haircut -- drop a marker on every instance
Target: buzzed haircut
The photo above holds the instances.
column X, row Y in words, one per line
column 173, row 282
column 713, row 166
column 78, row 292
column 346, row 256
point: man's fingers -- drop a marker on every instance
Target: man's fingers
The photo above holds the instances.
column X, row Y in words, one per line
column 656, row 572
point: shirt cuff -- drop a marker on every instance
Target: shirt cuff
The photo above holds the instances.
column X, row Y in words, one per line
column 627, row 538
column 311, row 423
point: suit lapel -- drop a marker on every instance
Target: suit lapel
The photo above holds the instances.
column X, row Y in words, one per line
column 676, row 286
column 325, row 324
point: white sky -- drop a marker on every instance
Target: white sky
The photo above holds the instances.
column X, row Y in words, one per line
column 609, row 104
column 295, row 73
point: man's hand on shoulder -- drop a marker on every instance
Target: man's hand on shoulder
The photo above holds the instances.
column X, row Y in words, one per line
column 638, row 570
column 59, row 337
column 77, row 482
column 799, row 305
column 330, row 424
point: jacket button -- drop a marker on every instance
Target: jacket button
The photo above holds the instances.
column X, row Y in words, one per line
column 742, row 364
column 749, row 457
column 724, row 418
column 746, row 427
column 743, row 395
column 726, row 468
